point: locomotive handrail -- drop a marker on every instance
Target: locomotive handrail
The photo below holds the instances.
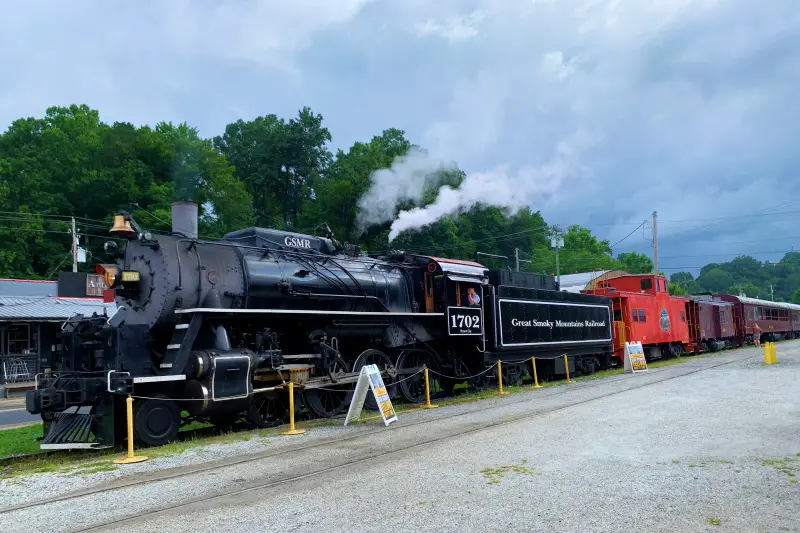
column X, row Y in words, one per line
column 108, row 379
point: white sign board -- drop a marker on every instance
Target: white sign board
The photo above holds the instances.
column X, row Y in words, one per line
column 370, row 378
column 634, row 358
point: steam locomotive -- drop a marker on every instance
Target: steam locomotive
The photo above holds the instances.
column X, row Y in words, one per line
column 215, row 330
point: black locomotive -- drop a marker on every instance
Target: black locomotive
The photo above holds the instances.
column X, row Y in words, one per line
column 217, row 329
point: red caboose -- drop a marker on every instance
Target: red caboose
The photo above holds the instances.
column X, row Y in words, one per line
column 645, row 312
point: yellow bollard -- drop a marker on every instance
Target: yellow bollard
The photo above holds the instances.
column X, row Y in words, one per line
column 292, row 430
column 130, row 458
column 535, row 376
column 500, row 378
column 767, row 354
column 566, row 367
column 773, row 352
column 428, row 404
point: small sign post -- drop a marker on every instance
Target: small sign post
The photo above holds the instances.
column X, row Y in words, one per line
column 634, row 358
column 370, row 378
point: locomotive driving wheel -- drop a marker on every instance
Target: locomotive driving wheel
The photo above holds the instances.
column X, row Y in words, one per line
column 412, row 386
column 268, row 410
column 332, row 399
column 382, row 361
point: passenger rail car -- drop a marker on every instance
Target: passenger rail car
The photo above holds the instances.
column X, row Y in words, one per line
column 218, row 328
column 777, row 320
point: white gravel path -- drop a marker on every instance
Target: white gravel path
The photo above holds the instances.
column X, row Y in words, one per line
column 672, row 456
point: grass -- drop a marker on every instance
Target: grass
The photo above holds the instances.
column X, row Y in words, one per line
column 787, row 465
column 494, row 475
column 19, row 441
column 713, row 521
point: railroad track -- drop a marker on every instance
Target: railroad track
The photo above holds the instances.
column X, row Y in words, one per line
column 183, row 472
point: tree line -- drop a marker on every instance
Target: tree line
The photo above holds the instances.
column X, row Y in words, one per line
column 270, row 172
column 745, row 275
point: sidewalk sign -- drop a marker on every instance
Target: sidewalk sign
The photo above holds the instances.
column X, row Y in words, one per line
column 370, row 378
column 634, row 358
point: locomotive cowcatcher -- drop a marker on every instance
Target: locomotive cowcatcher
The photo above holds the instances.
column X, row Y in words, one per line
column 215, row 330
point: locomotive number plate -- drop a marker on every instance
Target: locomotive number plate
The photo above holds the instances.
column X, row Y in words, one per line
column 464, row 321
column 130, row 275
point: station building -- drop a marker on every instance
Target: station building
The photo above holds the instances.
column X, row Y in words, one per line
column 31, row 315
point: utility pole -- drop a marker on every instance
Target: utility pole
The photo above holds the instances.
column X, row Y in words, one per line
column 74, row 247
column 771, row 292
column 557, row 242
column 516, row 256
column 655, row 243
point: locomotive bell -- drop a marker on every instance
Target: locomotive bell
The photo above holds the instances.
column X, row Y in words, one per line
column 122, row 226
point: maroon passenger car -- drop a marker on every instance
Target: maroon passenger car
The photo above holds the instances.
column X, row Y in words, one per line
column 777, row 320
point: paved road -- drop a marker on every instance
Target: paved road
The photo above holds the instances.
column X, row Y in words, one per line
column 16, row 415
column 701, row 446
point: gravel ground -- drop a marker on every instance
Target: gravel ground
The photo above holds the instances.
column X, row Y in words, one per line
column 639, row 452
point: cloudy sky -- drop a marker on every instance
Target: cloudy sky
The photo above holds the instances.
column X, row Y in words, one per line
column 687, row 107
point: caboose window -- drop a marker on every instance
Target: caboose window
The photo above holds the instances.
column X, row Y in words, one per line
column 647, row 284
column 635, row 315
column 642, row 316
column 617, row 315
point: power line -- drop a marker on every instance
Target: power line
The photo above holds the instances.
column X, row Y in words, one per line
column 629, row 234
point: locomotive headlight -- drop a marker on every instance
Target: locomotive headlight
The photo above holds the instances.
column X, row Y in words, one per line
column 127, row 283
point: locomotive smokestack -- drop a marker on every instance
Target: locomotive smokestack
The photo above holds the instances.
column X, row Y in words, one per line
column 184, row 219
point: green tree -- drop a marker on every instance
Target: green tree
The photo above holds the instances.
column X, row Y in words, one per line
column 635, row 263
column 716, row 280
column 279, row 162
column 796, row 296
column 70, row 164
column 676, row 289
column 347, row 179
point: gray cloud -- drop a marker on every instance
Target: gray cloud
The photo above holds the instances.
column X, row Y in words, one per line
column 691, row 102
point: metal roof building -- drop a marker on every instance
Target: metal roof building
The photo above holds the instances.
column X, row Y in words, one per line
column 579, row 282
column 49, row 309
column 31, row 314
column 28, row 287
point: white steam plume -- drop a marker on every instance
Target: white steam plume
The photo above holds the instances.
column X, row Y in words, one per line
column 497, row 187
column 405, row 180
